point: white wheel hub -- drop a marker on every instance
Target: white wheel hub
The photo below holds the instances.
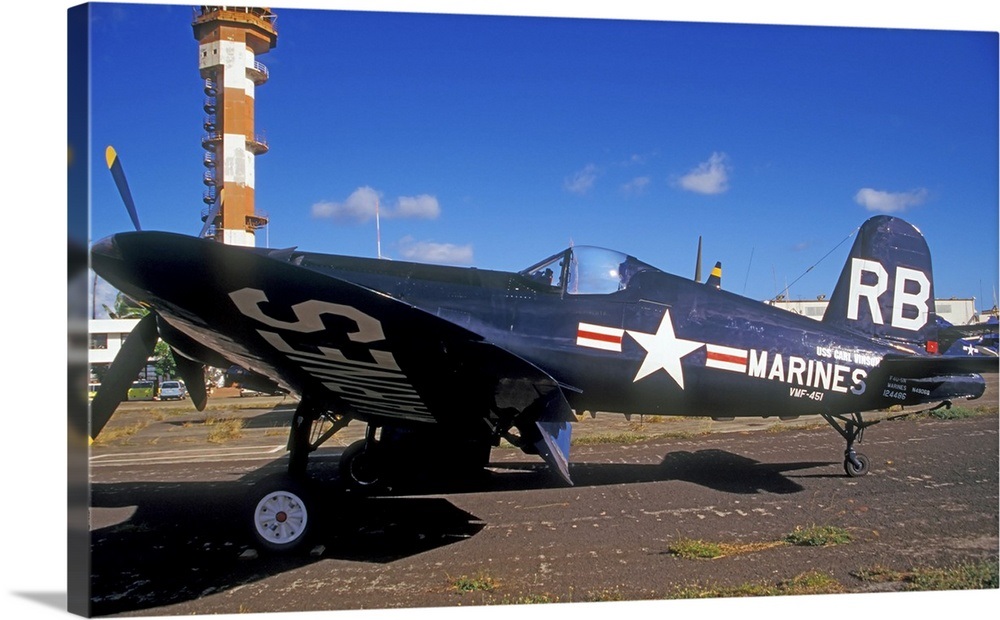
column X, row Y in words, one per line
column 281, row 518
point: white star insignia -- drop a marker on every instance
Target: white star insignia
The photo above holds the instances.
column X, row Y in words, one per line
column 664, row 350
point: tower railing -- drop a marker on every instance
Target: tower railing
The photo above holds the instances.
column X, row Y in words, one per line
column 258, row 73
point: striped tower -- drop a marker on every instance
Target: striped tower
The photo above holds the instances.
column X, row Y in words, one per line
column 229, row 41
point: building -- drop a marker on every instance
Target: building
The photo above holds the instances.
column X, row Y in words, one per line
column 229, row 41
column 955, row 311
column 106, row 338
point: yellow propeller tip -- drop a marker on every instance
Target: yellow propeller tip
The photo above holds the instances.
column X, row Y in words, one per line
column 110, row 155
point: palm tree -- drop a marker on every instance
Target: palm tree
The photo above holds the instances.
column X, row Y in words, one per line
column 125, row 308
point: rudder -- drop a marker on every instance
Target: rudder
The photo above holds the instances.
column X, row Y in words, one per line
column 886, row 289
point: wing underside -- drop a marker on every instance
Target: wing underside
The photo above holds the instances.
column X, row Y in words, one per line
column 358, row 351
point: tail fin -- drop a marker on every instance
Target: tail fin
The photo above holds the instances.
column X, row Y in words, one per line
column 886, row 289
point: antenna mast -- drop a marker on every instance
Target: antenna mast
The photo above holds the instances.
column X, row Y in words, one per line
column 378, row 230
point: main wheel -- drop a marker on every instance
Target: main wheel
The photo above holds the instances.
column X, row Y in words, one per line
column 360, row 467
column 281, row 517
column 854, row 471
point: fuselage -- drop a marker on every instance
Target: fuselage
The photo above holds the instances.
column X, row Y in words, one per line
column 652, row 344
column 735, row 356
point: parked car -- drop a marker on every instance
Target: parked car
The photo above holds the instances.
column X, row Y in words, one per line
column 92, row 390
column 250, row 392
column 172, row 389
column 141, row 390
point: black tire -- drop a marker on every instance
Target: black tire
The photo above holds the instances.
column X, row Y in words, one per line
column 855, row 472
column 359, row 468
column 281, row 514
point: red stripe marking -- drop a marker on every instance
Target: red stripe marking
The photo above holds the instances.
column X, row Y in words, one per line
column 722, row 357
column 595, row 336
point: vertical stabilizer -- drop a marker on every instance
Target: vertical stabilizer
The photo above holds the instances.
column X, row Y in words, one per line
column 886, row 289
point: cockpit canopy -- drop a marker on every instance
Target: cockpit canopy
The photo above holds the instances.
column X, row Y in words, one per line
column 587, row 270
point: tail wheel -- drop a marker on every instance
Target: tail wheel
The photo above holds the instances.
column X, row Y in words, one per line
column 281, row 518
column 858, row 466
column 360, row 467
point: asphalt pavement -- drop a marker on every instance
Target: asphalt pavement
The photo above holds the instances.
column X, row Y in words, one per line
column 170, row 532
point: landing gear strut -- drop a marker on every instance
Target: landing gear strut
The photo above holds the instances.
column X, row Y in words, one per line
column 302, row 440
column 851, row 429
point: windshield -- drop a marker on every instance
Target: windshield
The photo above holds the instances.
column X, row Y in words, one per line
column 587, row 270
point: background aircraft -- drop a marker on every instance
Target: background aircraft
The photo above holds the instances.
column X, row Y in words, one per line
column 442, row 363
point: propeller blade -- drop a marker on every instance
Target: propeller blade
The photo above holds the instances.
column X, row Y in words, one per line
column 193, row 374
column 715, row 277
column 115, row 166
column 124, row 369
column 212, row 214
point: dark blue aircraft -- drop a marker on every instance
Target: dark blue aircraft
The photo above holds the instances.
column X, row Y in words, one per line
column 442, row 363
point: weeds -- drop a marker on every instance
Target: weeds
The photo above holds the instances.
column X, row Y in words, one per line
column 224, row 429
column 954, row 413
column 814, row 536
column 969, row 576
column 812, row 582
column 480, row 583
column 699, row 549
column 119, row 434
column 696, row 549
column 818, row 536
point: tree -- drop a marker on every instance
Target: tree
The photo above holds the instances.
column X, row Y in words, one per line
column 164, row 362
column 125, row 308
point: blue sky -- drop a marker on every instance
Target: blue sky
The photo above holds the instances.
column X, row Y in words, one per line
column 496, row 141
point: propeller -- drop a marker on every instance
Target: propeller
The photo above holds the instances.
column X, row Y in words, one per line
column 140, row 343
column 212, row 214
column 118, row 174
column 715, row 276
column 193, row 374
column 124, row 369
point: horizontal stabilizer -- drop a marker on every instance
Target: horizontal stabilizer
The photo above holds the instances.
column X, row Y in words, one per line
column 949, row 334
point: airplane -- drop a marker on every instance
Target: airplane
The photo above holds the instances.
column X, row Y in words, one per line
column 442, row 363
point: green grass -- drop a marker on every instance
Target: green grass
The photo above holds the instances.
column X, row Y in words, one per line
column 956, row 413
column 968, row 576
column 696, row 549
column 818, row 536
column 479, row 583
column 812, row 582
column 813, row 536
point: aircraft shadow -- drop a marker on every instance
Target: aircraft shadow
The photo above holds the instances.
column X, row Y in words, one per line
column 711, row 468
column 180, row 543
column 185, row 540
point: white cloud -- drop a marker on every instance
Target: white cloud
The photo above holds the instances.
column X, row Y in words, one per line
column 423, row 207
column 636, row 186
column 889, row 202
column 582, row 181
column 360, row 207
column 438, row 253
column 709, row 177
